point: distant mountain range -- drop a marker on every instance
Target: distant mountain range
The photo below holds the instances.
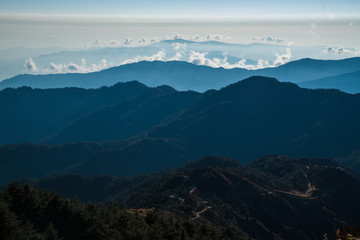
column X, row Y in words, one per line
column 347, row 82
column 142, row 129
column 275, row 197
column 102, row 55
column 186, row 76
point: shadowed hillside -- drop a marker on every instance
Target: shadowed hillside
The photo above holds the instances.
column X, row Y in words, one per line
column 260, row 116
column 275, row 197
column 35, row 115
column 155, row 128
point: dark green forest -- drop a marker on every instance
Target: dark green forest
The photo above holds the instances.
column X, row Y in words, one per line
column 28, row 213
column 219, row 197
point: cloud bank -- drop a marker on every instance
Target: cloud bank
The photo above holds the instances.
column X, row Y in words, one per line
column 199, row 58
column 75, row 68
column 282, row 58
column 145, row 41
column 194, row 57
column 30, row 65
column 159, row 56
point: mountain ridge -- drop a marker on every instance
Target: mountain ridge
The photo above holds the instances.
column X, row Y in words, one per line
column 346, row 82
column 257, row 108
column 186, row 76
column 245, row 120
column 257, row 199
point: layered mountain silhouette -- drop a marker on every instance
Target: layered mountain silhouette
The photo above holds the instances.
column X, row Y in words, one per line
column 127, row 119
column 275, row 197
column 110, row 145
column 33, row 115
column 347, row 82
column 149, row 129
column 186, row 76
column 260, row 116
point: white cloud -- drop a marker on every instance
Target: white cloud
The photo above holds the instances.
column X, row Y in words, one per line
column 159, row 56
column 199, row 58
column 112, row 43
column 282, row 58
column 271, row 39
column 340, row 50
column 330, row 50
column 178, row 46
column 30, row 65
column 128, row 41
column 217, row 37
column 145, row 41
column 178, row 36
column 357, row 51
column 72, row 67
column 262, row 64
column 57, row 68
column 196, row 38
column 268, row 39
column 207, row 37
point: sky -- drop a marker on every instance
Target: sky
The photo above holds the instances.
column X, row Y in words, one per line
column 76, row 24
column 184, row 8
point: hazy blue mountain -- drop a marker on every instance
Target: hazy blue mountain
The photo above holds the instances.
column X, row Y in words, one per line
column 260, row 116
column 186, row 76
column 180, row 75
column 230, row 59
column 24, row 52
column 310, row 69
column 102, row 55
column 12, row 60
column 347, row 82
